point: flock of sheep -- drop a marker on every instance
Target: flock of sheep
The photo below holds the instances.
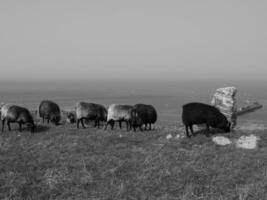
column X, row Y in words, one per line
column 137, row 116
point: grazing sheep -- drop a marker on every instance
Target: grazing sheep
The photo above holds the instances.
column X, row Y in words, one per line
column 118, row 113
column 143, row 114
column 199, row 113
column 50, row 111
column 13, row 113
column 90, row 111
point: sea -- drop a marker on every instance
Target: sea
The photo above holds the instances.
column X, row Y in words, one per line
column 166, row 96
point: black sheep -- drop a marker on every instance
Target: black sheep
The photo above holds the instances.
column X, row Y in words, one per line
column 50, row 111
column 199, row 113
column 143, row 114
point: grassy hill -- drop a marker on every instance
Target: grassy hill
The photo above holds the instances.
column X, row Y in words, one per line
column 65, row 163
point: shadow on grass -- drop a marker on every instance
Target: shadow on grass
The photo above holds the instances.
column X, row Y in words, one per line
column 38, row 129
column 41, row 128
column 212, row 132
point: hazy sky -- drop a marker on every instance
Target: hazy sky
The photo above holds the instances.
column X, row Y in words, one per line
column 138, row 39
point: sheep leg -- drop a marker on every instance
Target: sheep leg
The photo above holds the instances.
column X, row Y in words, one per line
column 112, row 124
column 145, row 127
column 95, row 123
column 20, row 127
column 43, row 120
column 82, row 122
column 3, row 124
column 150, row 128
column 8, row 125
column 106, row 125
column 134, row 128
column 191, row 129
column 78, row 122
column 120, row 124
column 186, row 130
column 128, row 125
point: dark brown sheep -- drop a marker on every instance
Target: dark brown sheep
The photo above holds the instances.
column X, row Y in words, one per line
column 143, row 114
column 20, row 115
column 90, row 111
column 50, row 111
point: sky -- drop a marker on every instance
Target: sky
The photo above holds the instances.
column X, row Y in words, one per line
column 133, row 40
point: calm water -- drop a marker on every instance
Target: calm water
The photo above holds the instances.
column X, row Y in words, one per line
column 167, row 97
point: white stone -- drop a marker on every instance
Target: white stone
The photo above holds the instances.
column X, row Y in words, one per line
column 178, row 136
column 169, row 136
column 220, row 140
column 247, row 142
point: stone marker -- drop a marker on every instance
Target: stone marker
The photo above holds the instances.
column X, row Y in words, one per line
column 247, row 142
column 225, row 100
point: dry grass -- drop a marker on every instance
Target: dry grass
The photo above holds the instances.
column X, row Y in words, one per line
column 65, row 163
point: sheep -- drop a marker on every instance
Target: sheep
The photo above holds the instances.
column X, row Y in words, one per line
column 199, row 113
column 143, row 114
column 13, row 113
column 50, row 111
column 118, row 113
column 90, row 111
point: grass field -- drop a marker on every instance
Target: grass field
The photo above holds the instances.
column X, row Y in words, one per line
column 65, row 163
